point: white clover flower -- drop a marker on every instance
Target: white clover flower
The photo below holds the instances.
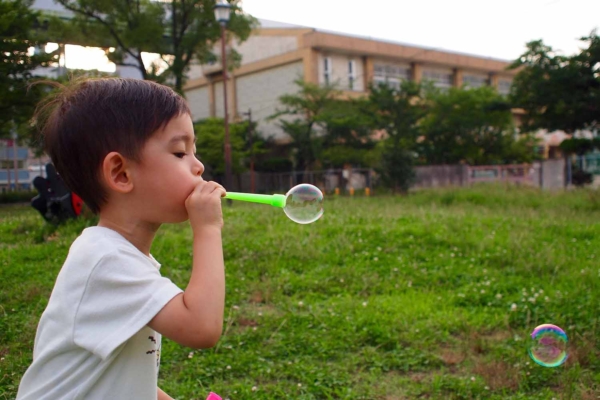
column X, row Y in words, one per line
column 254, row 388
column 228, row 367
column 498, row 296
column 513, row 307
column 364, row 303
column 300, row 303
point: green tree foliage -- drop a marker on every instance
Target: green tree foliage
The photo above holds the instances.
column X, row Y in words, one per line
column 325, row 130
column 301, row 116
column 348, row 135
column 18, row 65
column 210, row 138
column 398, row 113
column 556, row 91
column 181, row 31
column 471, row 126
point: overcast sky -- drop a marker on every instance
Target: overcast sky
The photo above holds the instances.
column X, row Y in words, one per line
column 497, row 29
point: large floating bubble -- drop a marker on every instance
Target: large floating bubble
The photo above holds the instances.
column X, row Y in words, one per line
column 304, row 203
column 548, row 345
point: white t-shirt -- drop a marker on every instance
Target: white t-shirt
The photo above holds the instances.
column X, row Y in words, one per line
column 93, row 341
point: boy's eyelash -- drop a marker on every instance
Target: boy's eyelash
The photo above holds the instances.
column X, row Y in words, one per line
column 179, row 155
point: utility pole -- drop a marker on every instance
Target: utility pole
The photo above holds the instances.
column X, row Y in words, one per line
column 250, row 140
column 5, row 161
column 15, row 161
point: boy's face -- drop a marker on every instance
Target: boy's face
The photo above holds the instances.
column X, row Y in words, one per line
column 168, row 172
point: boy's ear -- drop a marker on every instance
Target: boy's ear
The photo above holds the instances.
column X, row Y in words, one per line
column 116, row 174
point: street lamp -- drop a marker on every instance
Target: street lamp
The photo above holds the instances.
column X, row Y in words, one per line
column 222, row 11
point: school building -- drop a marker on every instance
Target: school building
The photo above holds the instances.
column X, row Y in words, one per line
column 277, row 54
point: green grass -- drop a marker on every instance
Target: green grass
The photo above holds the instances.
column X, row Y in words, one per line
column 383, row 298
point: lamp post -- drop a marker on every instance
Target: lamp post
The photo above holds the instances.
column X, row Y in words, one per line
column 222, row 11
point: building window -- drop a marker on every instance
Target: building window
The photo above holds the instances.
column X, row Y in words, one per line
column 390, row 75
column 474, row 81
column 351, row 74
column 440, row 79
column 327, row 70
column 504, row 86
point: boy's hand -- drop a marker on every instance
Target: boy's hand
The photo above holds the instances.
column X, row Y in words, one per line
column 204, row 205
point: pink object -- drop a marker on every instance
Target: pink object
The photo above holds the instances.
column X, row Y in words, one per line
column 213, row 396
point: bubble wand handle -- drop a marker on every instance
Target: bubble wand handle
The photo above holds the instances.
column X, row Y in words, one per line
column 276, row 200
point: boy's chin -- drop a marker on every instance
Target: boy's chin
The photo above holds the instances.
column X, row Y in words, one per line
column 176, row 218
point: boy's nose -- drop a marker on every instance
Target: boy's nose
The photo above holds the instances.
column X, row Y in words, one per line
column 198, row 168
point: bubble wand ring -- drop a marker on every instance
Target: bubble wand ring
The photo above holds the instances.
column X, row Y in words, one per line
column 302, row 203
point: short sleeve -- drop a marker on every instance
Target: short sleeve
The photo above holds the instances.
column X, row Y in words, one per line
column 124, row 291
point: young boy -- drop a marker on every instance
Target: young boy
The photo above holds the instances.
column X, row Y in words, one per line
column 127, row 148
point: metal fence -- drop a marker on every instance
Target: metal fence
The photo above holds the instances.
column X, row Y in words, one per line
column 548, row 174
column 328, row 181
column 520, row 174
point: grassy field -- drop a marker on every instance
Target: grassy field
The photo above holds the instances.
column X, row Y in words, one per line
column 428, row 296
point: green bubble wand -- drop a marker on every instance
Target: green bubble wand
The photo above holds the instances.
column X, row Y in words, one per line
column 276, row 200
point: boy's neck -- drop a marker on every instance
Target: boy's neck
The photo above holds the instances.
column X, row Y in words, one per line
column 139, row 233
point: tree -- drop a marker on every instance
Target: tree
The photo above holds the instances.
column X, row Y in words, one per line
column 181, row 31
column 471, row 126
column 302, row 118
column 559, row 92
column 348, row 137
column 18, row 65
column 210, row 134
column 398, row 113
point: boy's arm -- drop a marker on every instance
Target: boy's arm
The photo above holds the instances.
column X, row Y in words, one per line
column 195, row 317
column 162, row 395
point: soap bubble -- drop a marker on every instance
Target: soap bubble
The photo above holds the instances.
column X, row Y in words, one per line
column 548, row 345
column 304, row 204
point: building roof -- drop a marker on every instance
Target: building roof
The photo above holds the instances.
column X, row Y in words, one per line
column 270, row 24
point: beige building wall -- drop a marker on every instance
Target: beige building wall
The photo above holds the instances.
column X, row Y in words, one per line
column 198, row 101
column 340, row 71
column 272, row 59
column 260, row 93
column 261, row 47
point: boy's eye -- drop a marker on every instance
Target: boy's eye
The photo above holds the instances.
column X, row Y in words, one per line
column 179, row 155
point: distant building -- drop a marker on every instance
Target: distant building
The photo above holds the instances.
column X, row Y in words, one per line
column 277, row 54
column 28, row 166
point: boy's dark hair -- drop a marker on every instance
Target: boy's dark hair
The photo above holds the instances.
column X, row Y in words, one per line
column 87, row 119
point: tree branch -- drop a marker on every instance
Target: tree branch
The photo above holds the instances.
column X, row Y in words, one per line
column 68, row 6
